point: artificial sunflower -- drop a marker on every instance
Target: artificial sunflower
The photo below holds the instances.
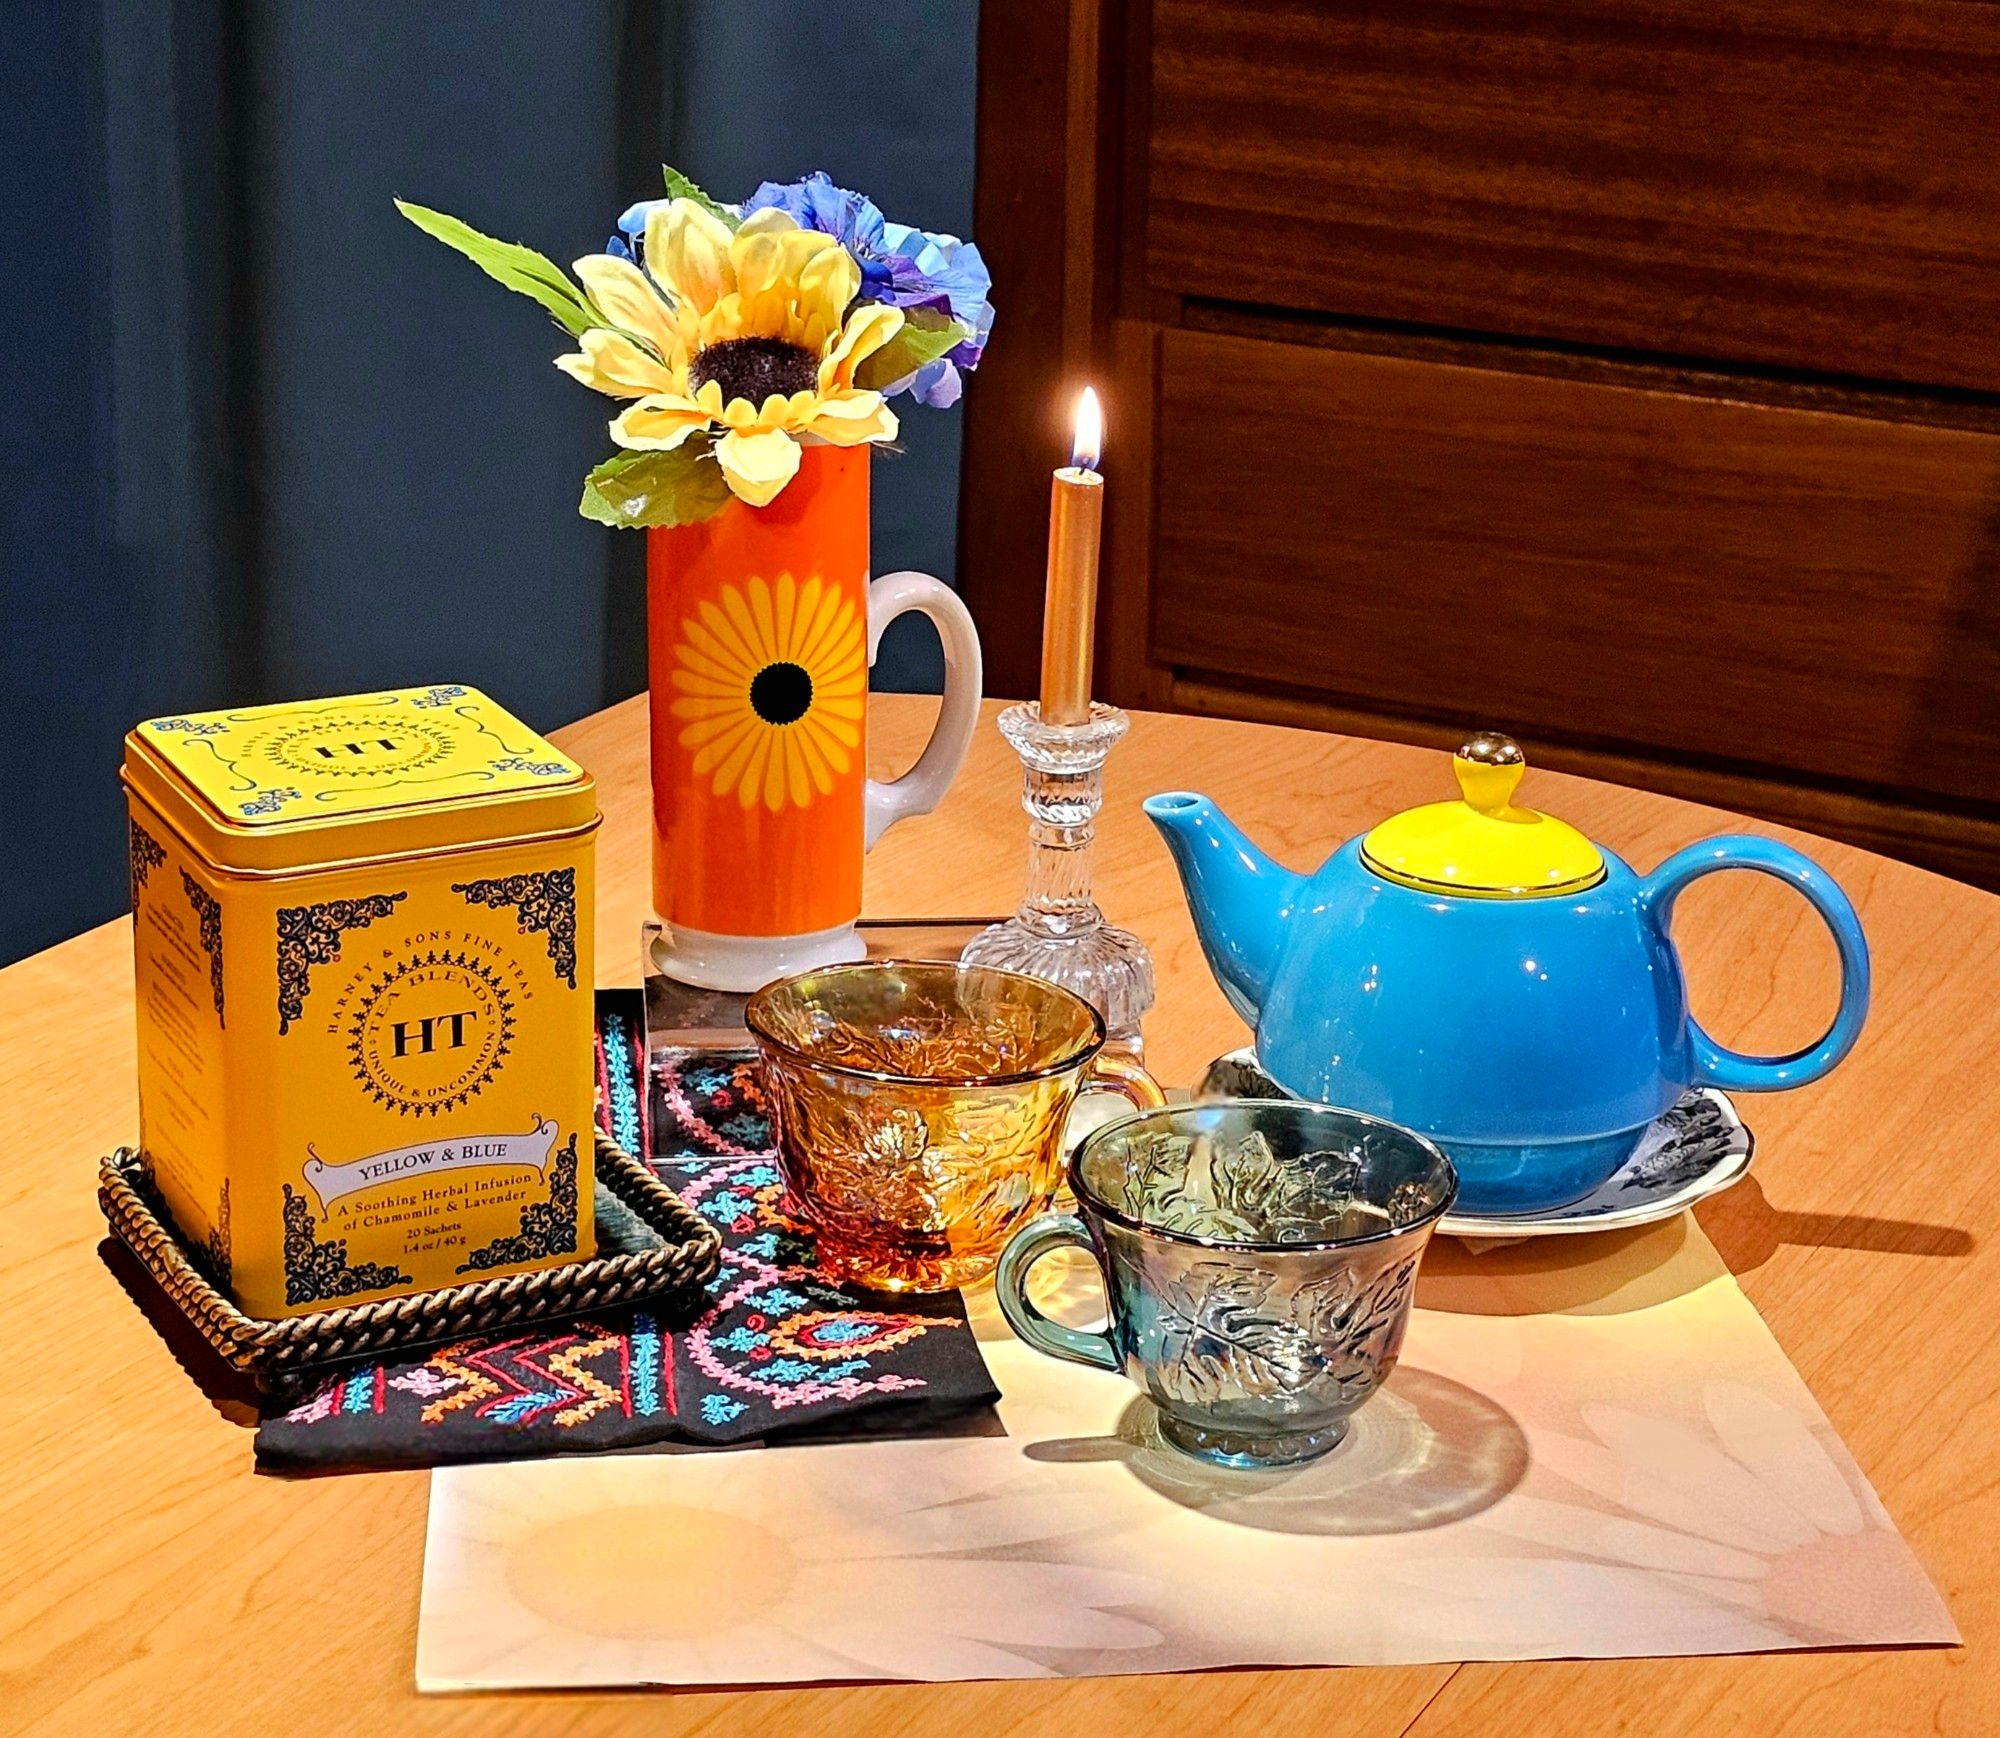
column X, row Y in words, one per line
column 742, row 331
column 771, row 686
column 753, row 342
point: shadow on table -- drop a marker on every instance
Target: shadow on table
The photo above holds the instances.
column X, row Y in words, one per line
column 1424, row 1452
column 234, row 1396
column 1748, row 1230
column 1604, row 1273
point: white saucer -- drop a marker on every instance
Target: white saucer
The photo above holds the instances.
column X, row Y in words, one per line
column 1697, row 1149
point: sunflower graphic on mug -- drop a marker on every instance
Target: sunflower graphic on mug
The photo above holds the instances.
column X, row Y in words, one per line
column 770, row 684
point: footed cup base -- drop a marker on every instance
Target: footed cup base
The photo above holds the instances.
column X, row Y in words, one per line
column 1247, row 1448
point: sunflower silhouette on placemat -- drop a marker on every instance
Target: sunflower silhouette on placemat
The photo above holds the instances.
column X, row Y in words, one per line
column 771, row 686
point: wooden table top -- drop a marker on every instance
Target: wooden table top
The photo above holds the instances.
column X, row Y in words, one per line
column 155, row 1583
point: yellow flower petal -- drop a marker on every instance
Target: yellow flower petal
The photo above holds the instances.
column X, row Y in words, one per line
column 720, row 747
column 819, row 612
column 769, row 219
column 611, row 363
column 722, row 322
column 728, row 646
column 713, row 727
column 828, row 281
column 760, row 268
column 784, row 605
column 762, row 615
column 626, row 299
column 690, row 251
column 774, row 772
column 736, row 764
column 658, row 425
column 744, row 625
column 750, row 783
column 849, row 418
column 846, row 732
column 701, row 688
column 868, row 328
column 837, row 758
column 798, row 781
column 757, row 465
column 817, row 764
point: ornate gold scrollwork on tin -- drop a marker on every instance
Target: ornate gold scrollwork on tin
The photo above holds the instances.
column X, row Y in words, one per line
column 309, row 935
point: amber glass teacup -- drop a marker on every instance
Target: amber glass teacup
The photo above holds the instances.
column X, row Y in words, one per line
column 920, row 1109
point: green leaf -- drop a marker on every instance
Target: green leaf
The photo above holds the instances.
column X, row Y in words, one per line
column 680, row 187
column 506, row 262
column 926, row 335
column 632, row 490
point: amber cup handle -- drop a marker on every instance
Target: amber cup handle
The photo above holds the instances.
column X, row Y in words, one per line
column 1114, row 1071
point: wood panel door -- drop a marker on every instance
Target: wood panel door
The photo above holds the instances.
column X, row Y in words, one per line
column 1625, row 373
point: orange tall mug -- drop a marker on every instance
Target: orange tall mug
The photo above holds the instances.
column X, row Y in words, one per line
column 762, row 625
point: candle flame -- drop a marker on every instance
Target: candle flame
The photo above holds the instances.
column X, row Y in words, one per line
column 1089, row 441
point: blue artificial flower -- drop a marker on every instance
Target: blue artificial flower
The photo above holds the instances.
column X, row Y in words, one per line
column 908, row 268
column 851, row 219
column 630, row 241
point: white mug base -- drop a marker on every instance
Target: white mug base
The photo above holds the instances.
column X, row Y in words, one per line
column 742, row 963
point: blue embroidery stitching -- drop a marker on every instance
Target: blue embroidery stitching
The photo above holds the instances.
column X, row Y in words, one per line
column 720, row 1408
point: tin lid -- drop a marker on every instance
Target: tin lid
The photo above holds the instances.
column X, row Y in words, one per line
column 1482, row 844
column 296, row 785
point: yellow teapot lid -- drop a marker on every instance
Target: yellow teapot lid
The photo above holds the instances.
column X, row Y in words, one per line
column 1481, row 844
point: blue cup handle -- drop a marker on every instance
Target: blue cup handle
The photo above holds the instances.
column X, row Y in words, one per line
column 1715, row 1064
column 1039, row 1237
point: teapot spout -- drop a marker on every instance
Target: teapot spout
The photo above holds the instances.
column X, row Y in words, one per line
column 1240, row 898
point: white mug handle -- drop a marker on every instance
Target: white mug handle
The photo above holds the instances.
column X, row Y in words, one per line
column 920, row 789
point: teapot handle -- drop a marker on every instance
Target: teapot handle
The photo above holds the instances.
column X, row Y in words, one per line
column 1716, row 1065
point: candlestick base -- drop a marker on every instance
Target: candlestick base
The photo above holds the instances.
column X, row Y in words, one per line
column 1059, row 934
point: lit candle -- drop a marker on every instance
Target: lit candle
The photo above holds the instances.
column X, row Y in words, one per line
column 1069, row 616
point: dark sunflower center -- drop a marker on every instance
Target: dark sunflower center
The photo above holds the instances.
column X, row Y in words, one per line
column 781, row 693
column 754, row 368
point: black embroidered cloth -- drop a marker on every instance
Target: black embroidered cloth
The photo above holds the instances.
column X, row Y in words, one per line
column 772, row 1349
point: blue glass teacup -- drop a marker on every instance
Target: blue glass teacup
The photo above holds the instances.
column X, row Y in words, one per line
column 1259, row 1263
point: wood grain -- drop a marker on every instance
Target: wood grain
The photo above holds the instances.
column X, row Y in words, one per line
column 1951, row 842
column 1755, row 587
column 155, row 1584
column 1810, row 183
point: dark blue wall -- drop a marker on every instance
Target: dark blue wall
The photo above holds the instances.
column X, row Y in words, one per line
column 262, row 439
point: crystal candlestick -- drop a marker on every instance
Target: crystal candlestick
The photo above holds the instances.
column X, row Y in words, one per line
column 1059, row 934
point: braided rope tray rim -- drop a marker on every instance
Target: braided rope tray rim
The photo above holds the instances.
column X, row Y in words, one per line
column 265, row 1349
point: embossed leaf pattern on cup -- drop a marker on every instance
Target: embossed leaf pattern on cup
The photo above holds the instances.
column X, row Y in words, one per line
column 965, row 1162
column 1222, row 1341
column 1226, row 1338
column 884, row 1168
column 1354, row 1325
column 1241, row 1189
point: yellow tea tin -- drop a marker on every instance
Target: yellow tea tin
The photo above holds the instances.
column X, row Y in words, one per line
column 361, row 933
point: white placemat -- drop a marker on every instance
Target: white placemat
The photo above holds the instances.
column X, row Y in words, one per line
column 1585, row 1453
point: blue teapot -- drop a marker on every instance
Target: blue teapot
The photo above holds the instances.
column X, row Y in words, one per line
column 1484, row 974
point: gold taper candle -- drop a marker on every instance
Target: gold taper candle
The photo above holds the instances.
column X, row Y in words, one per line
column 1069, row 614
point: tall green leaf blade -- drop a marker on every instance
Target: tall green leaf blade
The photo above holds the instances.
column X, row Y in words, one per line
column 634, row 490
column 520, row 268
column 680, row 187
column 926, row 335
